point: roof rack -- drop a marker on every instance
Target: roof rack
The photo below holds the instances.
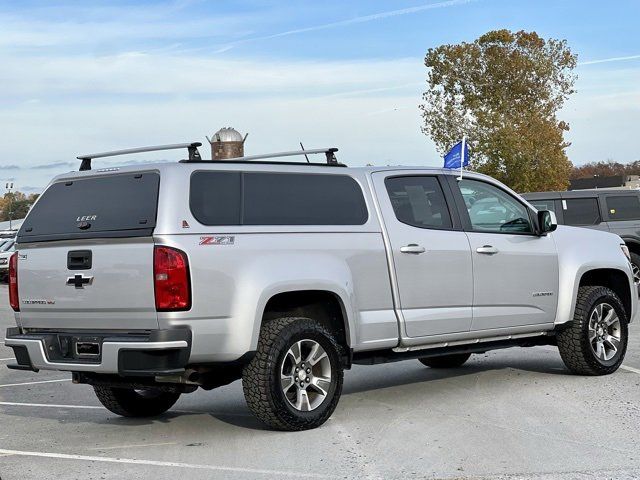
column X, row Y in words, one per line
column 328, row 152
column 194, row 155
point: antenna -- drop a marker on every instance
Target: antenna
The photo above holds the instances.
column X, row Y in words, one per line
column 305, row 155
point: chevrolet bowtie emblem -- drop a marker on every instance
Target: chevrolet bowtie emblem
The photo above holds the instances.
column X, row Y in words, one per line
column 79, row 281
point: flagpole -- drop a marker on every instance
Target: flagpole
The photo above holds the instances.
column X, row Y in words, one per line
column 464, row 142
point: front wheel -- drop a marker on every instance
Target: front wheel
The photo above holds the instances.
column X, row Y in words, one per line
column 129, row 402
column 294, row 381
column 595, row 342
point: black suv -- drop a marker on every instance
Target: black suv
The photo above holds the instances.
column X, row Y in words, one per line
column 617, row 211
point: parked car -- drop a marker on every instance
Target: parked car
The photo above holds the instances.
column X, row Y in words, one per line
column 151, row 281
column 613, row 210
column 6, row 243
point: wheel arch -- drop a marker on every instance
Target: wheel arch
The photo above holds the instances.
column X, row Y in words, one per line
column 612, row 278
column 330, row 306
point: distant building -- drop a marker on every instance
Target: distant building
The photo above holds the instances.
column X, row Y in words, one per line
column 628, row 182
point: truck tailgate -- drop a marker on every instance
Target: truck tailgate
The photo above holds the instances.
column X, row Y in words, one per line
column 116, row 293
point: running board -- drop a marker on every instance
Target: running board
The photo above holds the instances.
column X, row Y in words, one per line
column 451, row 348
column 468, row 342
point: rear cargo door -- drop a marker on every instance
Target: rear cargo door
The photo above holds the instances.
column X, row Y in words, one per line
column 86, row 255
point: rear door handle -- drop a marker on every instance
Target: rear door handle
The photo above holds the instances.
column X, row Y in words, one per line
column 487, row 250
column 412, row 248
column 79, row 260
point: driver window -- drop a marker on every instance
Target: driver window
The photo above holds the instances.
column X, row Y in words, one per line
column 493, row 210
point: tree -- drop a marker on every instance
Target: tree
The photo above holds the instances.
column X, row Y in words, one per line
column 605, row 169
column 503, row 92
column 16, row 205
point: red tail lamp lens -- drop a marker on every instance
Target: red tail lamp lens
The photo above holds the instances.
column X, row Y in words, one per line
column 171, row 279
column 14, row 300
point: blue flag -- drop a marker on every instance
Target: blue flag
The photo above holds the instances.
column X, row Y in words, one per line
column 452, row 159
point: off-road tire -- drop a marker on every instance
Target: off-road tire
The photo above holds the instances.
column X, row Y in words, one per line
column 128, row 402
column 573, row 339
column 446, row 361
column 261, row 376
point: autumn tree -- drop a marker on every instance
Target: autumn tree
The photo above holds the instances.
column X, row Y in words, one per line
column 503, row 91
column 15, row 205
column 605, row 169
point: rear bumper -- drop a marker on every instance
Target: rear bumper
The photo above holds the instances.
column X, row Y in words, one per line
column 161, row 352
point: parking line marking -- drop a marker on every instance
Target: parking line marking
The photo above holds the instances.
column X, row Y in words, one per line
column 630, row 369
column 117, row 447
column 45, row 405
column 35, row 383
column 6, row 359
column 97, row 407
column 132, row 461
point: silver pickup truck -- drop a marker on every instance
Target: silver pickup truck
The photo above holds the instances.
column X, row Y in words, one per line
column 151, row 281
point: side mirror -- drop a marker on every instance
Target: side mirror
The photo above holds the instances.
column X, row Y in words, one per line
column 547, row 221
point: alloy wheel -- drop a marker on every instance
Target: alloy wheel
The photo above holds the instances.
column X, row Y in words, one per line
column 636, row 272
column 604, row 331
column 305, row 375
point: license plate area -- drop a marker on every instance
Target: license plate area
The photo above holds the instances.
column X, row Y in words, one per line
column 84, row 349
column 73, row 348
column 80, row 347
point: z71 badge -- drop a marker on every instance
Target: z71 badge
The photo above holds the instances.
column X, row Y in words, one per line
column 218, row 240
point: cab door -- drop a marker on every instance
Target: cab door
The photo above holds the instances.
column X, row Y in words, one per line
column 430, row 253
column 515, row 271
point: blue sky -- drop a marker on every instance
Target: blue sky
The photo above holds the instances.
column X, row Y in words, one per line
column 86, row 76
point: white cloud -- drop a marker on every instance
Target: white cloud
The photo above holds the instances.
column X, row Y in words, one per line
column 609, row 60
column 349, row 21
column 94, row 27
column 136, row 73
column 603, row 115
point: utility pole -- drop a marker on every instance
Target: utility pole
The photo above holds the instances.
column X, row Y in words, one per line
column 9, row 187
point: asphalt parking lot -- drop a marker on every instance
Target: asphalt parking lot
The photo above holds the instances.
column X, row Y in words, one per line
column 513, row 413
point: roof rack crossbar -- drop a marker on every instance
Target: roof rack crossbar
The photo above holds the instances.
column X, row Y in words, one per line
column 192, row 147
column 328, row 152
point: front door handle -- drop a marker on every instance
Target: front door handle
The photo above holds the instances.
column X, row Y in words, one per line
column 412, row 248
column 487, row 250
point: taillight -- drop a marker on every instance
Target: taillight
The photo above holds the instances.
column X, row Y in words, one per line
column 171, row 279
column 13, row 282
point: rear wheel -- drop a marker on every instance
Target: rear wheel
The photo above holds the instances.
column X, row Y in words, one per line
column 595, row 342
column 294, row 381
column 129, row 402
column 446, row 361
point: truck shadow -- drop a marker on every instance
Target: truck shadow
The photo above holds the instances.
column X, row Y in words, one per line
column 370, row 379
column 232, row 409
column 421, row 374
